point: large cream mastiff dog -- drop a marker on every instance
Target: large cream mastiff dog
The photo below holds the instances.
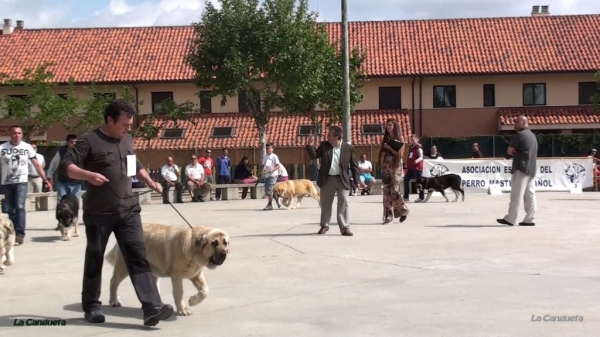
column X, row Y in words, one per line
column 177, row 252
column 7, row 242
column 294, row 188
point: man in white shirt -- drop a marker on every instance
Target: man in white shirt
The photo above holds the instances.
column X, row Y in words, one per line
column 283, row 174
column 365, row 168
column 15, row 156
column 196, row 181
column 270, row 171
column 34, row 179
column 171, row 174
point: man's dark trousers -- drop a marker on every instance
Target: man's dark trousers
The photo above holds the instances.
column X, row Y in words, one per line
column 412, row 174
column 129, row 233
column 221, row 180
column 178, row 192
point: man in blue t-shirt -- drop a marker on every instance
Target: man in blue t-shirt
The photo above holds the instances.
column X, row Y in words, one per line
column 223, row 172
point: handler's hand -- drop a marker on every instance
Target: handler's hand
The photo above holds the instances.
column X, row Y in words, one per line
column 47, row 183
column 156, row 187
column 96, row 179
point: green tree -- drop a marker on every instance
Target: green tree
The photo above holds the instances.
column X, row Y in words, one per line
column 264, row 50
column 90, row 111
column 39, row 106
column 324, row 97
column 151, row 126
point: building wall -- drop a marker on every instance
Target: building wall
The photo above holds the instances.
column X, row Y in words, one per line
column 469, row 116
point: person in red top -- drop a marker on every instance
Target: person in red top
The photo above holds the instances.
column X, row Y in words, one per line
column 208, row 164
column 414, row 165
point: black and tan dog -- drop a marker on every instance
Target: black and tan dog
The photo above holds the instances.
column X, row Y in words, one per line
column 67, row 214
column 441, row 183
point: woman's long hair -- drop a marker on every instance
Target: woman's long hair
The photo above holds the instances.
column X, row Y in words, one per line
column 387, row 135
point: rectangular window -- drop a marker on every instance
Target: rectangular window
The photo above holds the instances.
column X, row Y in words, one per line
column 534, row 94
column 222, row 132
column 586, row 91
column 372, row 129
column 444, row 96
column 109, row 96
column 158, row 97
column 242, row 106
column 390, row 98
column 205, row 102
column 489, row 95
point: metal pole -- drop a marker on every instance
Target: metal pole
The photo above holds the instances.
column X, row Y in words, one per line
column 346, row 65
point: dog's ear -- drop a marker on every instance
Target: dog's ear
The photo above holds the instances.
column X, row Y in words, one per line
column 201, row 241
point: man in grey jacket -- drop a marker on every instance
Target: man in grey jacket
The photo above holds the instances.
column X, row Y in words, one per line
column 523, row 148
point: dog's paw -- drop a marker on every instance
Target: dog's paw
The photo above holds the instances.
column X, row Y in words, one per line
column 66, row 238
column 196, row 299
column 76, row 235
column 114, row 304
column 183, row 312
column 2, row 267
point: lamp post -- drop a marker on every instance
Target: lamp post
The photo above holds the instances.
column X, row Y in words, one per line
column 346, row 77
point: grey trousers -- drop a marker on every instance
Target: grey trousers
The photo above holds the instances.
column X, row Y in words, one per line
column 522, row 189
column 334, row 186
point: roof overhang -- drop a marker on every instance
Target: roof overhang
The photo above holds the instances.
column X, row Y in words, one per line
column 554, row 126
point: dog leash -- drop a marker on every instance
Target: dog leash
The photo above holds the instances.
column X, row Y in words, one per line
column 150, row 191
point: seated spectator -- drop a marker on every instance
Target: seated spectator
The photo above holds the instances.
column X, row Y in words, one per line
column 197, row 185
column 243, row 175
column 135, row 183
column 365, row 168
column 434, row 153
column 283, row 174
column 171, row 175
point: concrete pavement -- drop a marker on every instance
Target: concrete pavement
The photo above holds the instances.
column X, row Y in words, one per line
column 449, row 270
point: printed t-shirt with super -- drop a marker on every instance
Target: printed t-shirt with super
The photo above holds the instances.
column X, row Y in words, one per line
column 15, row 162
column 269, row 162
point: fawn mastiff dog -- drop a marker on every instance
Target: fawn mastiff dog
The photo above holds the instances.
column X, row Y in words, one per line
column 177, row 252
column 7, row 242
column 298, row 188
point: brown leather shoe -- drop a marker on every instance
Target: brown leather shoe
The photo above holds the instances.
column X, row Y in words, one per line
column 347, row 232
column 323, row 230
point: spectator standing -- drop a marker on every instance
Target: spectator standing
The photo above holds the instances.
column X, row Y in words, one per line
column 523, row 148
column 414, row 165
column 15, row 156
column 271, row 166
column 223, row 171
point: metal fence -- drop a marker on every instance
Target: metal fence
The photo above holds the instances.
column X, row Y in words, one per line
column 549, row 145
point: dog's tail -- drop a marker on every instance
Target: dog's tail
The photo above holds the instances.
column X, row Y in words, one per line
column 113, row 255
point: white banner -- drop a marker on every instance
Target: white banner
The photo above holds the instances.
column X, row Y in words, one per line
column 553, row 174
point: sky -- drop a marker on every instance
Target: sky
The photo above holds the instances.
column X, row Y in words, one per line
column 135, row 13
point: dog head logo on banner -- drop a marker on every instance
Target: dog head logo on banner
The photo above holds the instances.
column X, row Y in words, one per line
column 575, row 173
column 438, row 170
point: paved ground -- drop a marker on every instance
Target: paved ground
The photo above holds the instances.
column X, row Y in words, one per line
column 449, row 270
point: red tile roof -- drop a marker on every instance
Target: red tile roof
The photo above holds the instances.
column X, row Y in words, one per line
column 282, row 131
column 395, row 48
column 548, row 115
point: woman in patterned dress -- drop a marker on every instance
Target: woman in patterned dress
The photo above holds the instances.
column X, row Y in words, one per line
column 391, row 172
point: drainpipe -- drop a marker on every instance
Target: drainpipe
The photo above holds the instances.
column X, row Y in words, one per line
column 137, row 106
column 421, row 106
column 412, row 93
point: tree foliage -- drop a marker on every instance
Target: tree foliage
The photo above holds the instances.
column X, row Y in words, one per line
column 274, row 52
column 38, row 107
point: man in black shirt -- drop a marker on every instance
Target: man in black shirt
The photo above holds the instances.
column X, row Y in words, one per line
column 105, row 158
